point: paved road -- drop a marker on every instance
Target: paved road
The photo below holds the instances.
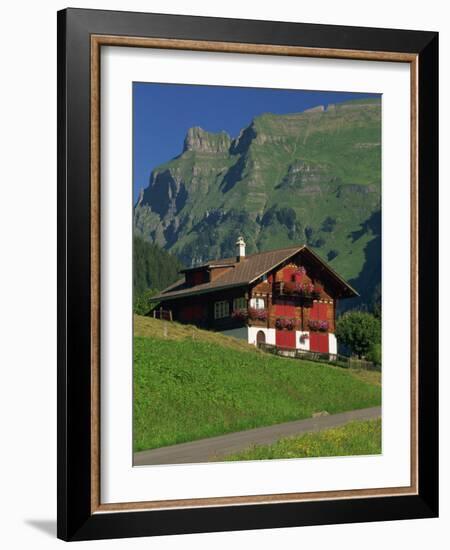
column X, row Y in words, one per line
column 213, row 448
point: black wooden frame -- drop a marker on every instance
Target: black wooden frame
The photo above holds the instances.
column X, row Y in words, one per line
column 75, row 521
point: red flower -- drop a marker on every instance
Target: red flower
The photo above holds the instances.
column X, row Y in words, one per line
column 257, row 314
column 240, row 314
column 321, row 325
column 288, row 324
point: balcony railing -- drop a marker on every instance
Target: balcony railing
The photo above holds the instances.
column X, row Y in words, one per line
column 297, row 290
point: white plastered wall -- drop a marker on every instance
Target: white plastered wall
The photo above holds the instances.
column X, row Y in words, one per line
column 299, row 344
column 269, row 332
column 332, row 344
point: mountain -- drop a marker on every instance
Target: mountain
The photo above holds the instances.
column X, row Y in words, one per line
column 312, row 177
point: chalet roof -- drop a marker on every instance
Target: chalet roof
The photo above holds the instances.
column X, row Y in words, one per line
column 211, row 264
column 246, row 271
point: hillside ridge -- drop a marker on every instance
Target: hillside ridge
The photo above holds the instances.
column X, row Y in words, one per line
column 312, row 177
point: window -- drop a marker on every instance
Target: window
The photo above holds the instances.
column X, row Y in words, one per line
column 257, row 303
column 264, row 278
column 221, row 310
column 239, row 303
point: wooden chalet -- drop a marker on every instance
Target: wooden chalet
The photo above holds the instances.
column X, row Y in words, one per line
column 284, row 297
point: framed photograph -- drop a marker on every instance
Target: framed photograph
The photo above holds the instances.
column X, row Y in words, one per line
column 247, row 274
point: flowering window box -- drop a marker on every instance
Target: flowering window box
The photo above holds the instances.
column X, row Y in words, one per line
column 240, row 315
column 257, row 314
column 318, row 325
column 285, row 324
column 253, row 315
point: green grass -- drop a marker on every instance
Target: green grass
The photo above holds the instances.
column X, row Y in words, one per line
column 154, row 328
column 192, row 384
column 354, row 438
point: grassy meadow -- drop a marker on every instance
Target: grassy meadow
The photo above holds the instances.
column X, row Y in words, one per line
column 354, row 438
column 190, row 384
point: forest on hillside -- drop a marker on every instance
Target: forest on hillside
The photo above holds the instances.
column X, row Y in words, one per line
column 153, row 268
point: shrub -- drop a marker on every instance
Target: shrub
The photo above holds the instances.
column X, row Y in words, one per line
column 144, row 302
column 359, row 331
column 318, row 243
column 328, row 224
column 374, row 354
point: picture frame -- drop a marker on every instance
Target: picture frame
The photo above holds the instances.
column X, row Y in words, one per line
column 81, row 35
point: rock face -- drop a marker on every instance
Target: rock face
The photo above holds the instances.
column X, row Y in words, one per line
column 276, row 184
column 303, row 173
column 206, row 142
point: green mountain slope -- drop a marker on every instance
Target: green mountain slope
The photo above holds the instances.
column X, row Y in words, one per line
column 311, row 177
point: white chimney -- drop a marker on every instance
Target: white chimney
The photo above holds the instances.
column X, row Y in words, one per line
column 240, row 249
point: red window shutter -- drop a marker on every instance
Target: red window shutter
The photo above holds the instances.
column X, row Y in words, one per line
column 323, row 342
column 315, row 311
column 318, row 341
column 289, row 310
column 291, row 339
column 278, row 309
column 285, row 338
column 286, row 310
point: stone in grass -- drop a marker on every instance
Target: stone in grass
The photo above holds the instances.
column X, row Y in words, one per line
column 320, row 413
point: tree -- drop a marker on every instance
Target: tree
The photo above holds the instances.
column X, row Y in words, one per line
column 359, row 331
column 376, row 301
column 153, row 267
column 328, row 224
column 318, row 243
column 374, row 354
column 309, row 231
column 333, row 253
column 144, row 301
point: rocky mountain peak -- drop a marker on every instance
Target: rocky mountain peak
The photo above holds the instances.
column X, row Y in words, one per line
column 202, row 141
column 244, row 139
column 278, row 183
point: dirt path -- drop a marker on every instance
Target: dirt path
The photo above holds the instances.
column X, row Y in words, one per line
column 213, row 448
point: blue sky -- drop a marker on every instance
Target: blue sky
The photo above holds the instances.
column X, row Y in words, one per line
column 163, row 113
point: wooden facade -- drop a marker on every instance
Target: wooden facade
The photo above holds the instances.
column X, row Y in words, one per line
column 292, row 304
